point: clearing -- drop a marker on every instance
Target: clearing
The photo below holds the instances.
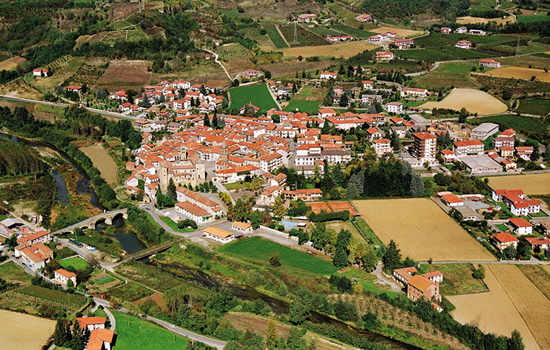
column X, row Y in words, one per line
column 529, row 183
column 346, row 225
column 257, row 94
column 125, row 74
column 421, row 229
column 12, row 63
column 475, row 101
column 520, row 73
column 14, row 325
column 134, row 333
column 344, row 50
column 475, row 20
column 493, row 311
column 401, row 32
column 76, row 261
column 102, row 161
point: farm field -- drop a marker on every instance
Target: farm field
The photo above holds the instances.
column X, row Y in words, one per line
column 125, row 74
column 260, row 249
column 474, row 20
column 493, row 311
column 520, row 73
column 290, row 67
column 12, row 63
column 401, row 32
column 15, row 324
column 344, row 50
column 63, row 71
column 539, row 17
column 449, row 53
column 230, row 51
column 274, row 35
column 518, row 123
column 457, row 72
column 13, row 273
column 130, row 292
column 258, row 94
column 353, row 31
column 534, row 106
column 76, row 261
column 539, row 276
column 457, row 279
column 309, row 107
column 134, row 333
column 304, row 37
column 529, row 183
column 102, row 161
column 421, row 229
column 475, row 101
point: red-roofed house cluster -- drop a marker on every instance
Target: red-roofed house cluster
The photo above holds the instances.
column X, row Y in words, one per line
column 519, row 203
column 420, row 286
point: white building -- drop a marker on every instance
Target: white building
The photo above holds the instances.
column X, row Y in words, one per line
column 63, row 276
column 218, row 235
column 394, row 107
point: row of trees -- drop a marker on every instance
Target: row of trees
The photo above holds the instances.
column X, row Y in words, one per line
column 18, row 159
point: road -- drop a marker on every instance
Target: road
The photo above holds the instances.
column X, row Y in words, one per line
column 218, row 62
column 533, row 261
column 222, row 188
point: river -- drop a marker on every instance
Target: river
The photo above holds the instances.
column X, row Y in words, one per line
column 129, row 241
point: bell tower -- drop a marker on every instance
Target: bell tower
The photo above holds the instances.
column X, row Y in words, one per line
column 225, row 157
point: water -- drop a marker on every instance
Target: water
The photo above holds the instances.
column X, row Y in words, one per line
column 129, row 241
column 289, row 225
column 61, row 186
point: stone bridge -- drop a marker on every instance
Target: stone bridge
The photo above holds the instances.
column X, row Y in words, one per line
column 106, row 217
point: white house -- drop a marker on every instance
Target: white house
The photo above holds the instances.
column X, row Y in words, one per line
column 63, row 276
column 242, row 227
column 91, row 323
column 328, row 75
column 394, row 107
column 461, row 30
column 520, row 226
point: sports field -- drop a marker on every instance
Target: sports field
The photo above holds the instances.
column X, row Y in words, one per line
column 102, row 161
column 344, row 50
column 475, row 101
column 529, row 183
column 494, row 311
column 22, row 331
column 421, row 229
column 257, row 94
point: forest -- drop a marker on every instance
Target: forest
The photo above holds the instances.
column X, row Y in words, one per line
column 18, row 159
column 407, row 8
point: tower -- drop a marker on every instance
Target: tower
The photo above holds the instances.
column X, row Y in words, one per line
column 225, row 157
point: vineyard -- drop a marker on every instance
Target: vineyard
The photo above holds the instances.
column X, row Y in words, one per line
column 58, row 63
column 87, row 74
column 38, row 295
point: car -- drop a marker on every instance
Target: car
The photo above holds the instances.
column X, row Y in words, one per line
column 143, row 316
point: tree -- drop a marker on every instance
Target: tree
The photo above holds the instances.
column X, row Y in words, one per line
column 298, row 312
column 206, row 120
column 370, row 321
column 392, row 257
column 340, row 258
column 70, row 283
column 479, row 273
column 417, row 186
column 509, row 253
column 295, row 339
column 60, row 334
column 215, row 120
column 279, row 209
column 275, row 259
column 463, row 115
column 369, row 260
column 271, row 335
column 344, row 100
column 172, row 190
column 516, row 341
column 267, row 74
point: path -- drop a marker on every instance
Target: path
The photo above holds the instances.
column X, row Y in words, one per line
column 282, row 36
column 384, row 280
column 274, row 97
column 218, row 62
column 221, row 188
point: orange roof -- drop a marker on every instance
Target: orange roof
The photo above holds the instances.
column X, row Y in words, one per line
column 504, row 237
column 519, row 222
column 98, row 337
column 466, row 143
column 451, row 198
column 419, row 282
column 424, row 135
column 85, row 321
column 244, row 225
column 192, row 208
column 217, row 232
column 65, row 273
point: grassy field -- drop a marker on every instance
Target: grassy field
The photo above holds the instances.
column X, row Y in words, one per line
column 493, row 311
column 470, row 20
column 12, row 63
column 456, row 72
column 260, row 249
column 421, row 229
column 353, row 31
column 274, row 35
column 518, row 123
column 13, row 273
column 303, row 36
column 134, row 333
column 534, row 106
column 324, row 31
column 540, row 17
column 148, row 275
column 257, row 94
column 401, row 32
column 230, row 51
column 309, row 107
column 346, row 225
column 130, row 292
column 344, row 50
column 529, row 183
column 102, row 161
column 76, row 262
column 174, row 226
column 457, row 279
column 475, row 101
column 15, row 332
column 440, row 54
column 538, row 276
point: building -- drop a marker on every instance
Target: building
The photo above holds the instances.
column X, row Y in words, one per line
column 242, row 227
column 304, row 194
column 384, row 56
column 420, row 286
column 468, row 147
column 394, row 107
column 40, row 72
column 450, row 199
column 402, row 44
column 434, row 276
column 477, row 32
column 481, row 164
column 218, row 235
column 520, row 226
column 445, row 30
column 405, row 274
column 461, row 30
column 368, row 84
column 464, row 44
column 36, row 255
column 504, row 240
column 364, row 18
column 101, row 339
column 328, row 75
column 382, row 147
column 486, row 62
column 424, row 147
column 541, row 242
column 63, row 276
column 212, row 208
column 484, row 130
column 91, row 323
column 414, row 92
column 306, row 17
column 501, row 142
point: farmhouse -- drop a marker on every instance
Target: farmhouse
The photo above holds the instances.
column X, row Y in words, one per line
column 384, row 56
column 40, row 72
column 218, row 235
column 461, row 30
column 73, row 88
column 306, row 17
column 364, row 18
column 402, row 44
column 445, row 30
column 504, row 240
column 328, row 75
column 520, row 226
column 91, row 323
column 242, row 227
column 486, row 62
column 368, row 84
column 420, row 286
column 464, row 44
column 477, row 32
column 405, row 274
column 468, row 147
column 63, row 276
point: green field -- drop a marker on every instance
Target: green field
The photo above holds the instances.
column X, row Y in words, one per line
column 455, row 73
column 134, row 333
column 130, row 292
column 457, row 279
column 324, row 31
column 440, row 54
column 259, row 248
column 541, row 16
column 11, row 272
column 257, row 94
column 174, row 226
column 352, row 31
column 534, row 106
column 77, row 262
column 274, row 35
column 309, row 107
column 518, row 123
column 304, row 37
column 230, row 51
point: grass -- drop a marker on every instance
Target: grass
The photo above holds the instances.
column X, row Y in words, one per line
column 130, row 292
column 457, row 279
column 274, row 35
column 303, row 36
column 346, row 225
column 258, row 94
column 456, row 72
column 367, row 231
column 134, row 333
column 259, row 248
column 353, row 31
column 503, row 227
column 309, row 107
column 541, row 16
column 230, row 51
column 324, row 31
column 104, row 280
column 518, row 123
column 77, row 262
column 174, row 226
column 534, row 106
column 440, row 54
column 12, row 272
column 367, row 281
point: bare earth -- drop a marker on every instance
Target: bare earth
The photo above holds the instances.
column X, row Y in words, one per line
column 475, row 101
column 520, row 73
column 529, row 183
column 125, row 74
column 21, row 331
column 344, row 50
column 401, row 32
column 102, row 161
column 492, row 311
column 421, row 229
column 470, row 20
column 12, row 63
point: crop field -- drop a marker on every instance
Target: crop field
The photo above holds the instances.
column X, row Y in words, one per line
column 290, row 67
column 230, row 51
column 274, row 35
column 518, row 123
column 305, row 37
column 457, row 279
column 260, row 249
column 258, row 94
column 76, row 261
column 401, row 32
column 324, row 31
column 493, row 311
column 449, row 53
column 421, row 229
column 15, row 324
column 126, row 74
column 343, row 50
column 534, row 106
column 520, row 73
column 12, row 63
column 529, row 183
column 353, row 31
column 456, row 72
column 39, row 295
column 539, row 17
column 134, row 333
column 538, row 276
column 102, row 161
column 475, row 101
column 474, row 20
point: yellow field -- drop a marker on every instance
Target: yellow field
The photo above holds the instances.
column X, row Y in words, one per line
column 529, row 183
column 475, row 101
column 102, row 161
column 421, row 229
column 12, row 63
column 520, row 73
column 21, row 331
column 470, row 20
column 401, row 32
column 492, row 311
column 344, row 50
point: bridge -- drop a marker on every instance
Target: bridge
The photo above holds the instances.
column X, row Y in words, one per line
column 153, row 250
column 107, row 217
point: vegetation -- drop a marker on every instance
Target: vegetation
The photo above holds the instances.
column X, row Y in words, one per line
column 18, row 159
column 242, row 96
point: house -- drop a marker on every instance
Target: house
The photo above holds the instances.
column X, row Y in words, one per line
column 306, row 17
column 73, row 88
column 498, row 195
column 449, row 156
column 520, row 226
column 326, row 112
column 375, row 39
column 504, row 240
column 196, row 206
column 328, row 75
column 450, row 199
column 218, row 235
column 368, row 84
column 524, row 152
column 434, row 276
column 304, row 194
column 545, row 226
column 405, row 274
column 464, row 44
column 477, row 32
column 501, row 142
column 374, row 134
column 402, row 44
column 468, row 147
column 101, row 339
column 541, row 242
column 382, row 147
column 268, row 196
column 91, row 323
column 384, row 56
column 445, row 30
column 394, row 107
column 419, row 286
column 461, row 30
column 242, row 227
column 63, row 276
column 40, row 72
column 364, row 18
column 486, row 62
